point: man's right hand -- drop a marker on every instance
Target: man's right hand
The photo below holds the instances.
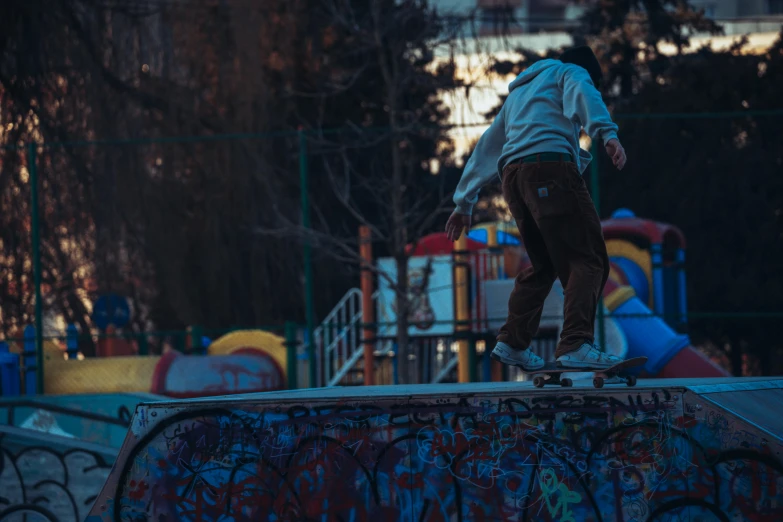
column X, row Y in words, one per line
column 616, row 152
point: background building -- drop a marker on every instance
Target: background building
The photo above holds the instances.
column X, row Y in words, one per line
column 501, row 26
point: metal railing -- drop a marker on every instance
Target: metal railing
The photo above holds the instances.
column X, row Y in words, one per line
column 338, row 340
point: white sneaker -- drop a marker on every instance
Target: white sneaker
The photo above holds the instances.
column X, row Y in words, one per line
column 588, row 356
column 524, row 359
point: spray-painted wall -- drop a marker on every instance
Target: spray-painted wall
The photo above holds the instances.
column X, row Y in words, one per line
column 623, row 455
column 49, row 478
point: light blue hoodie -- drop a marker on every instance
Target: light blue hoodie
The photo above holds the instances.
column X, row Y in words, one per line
column 546, row 108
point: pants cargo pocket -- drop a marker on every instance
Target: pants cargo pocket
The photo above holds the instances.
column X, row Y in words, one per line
column 548, row 199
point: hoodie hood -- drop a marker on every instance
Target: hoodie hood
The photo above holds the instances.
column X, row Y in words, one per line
column 529, row 74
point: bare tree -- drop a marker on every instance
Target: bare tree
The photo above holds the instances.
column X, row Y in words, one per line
column 384, row 173
column 169, row 224
column 174, row 223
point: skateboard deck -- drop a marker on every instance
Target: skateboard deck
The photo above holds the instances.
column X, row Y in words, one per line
column 552, row 374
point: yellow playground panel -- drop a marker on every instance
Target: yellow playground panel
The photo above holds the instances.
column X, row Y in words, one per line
column 137, row 373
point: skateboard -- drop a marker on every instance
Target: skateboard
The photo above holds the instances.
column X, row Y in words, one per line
column 551, row 374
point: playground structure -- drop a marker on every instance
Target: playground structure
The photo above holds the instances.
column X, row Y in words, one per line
column 244, row 361
column 459, row 291
column 458, row 295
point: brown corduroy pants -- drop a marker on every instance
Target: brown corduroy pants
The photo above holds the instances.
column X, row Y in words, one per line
column 562, row 234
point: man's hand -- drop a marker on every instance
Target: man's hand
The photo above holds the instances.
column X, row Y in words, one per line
column 616, row 152
column 455, row 224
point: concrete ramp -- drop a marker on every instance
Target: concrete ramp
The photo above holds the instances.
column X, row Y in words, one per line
column 45, row 477
column 56, row 452
column 756, row 404
column 666, row 450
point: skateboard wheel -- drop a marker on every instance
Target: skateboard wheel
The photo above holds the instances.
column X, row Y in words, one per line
column 566, row 382
column 598, row 382
column 631, row 381
column 538, row 382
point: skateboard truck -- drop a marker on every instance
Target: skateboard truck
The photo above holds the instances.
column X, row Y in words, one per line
column 552, row 374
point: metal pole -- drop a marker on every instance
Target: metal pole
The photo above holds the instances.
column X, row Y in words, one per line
column 461, row 307
column 32, row 169
column 595, row 189
column 290, row 347
column 368, row 311
column 307, row 257
column 472, row 360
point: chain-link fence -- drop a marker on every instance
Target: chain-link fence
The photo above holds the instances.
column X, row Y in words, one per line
column 120, row 239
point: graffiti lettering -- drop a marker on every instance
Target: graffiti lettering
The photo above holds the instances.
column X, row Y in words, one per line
column 608, row 456
column 42, row 483
column 551, row 488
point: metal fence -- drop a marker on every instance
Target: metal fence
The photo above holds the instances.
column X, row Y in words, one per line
column 113, row 240
column 432, row 358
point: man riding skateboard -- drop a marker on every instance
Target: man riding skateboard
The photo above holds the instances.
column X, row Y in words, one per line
column 533, row 144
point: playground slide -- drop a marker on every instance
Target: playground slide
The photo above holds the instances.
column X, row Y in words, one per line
column 669, row 354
